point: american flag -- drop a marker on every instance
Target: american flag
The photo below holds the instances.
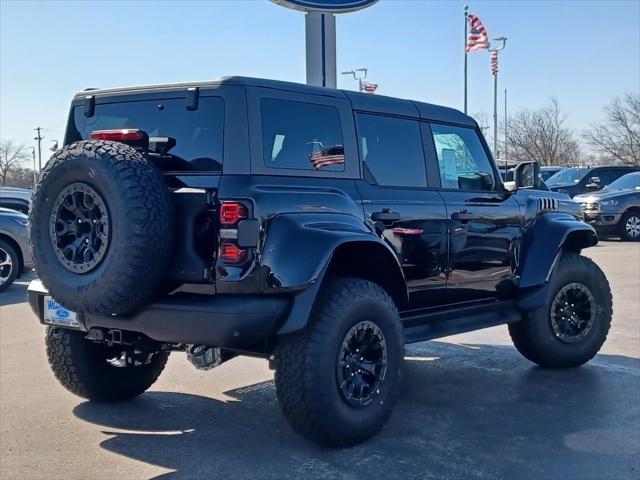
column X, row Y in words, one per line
column 327, row 156
column 478, row 38
column 369, row 87
column 494, row 62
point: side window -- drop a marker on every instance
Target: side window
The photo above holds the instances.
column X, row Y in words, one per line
column 607, row 175
column 463, row 162
column 301, row 136
column 391, row 150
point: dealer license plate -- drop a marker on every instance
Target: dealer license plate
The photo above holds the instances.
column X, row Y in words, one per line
column 56, row 314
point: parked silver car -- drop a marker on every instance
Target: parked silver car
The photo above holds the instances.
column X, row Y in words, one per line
column 15, row 255
column 615, row 208
column 15, row 198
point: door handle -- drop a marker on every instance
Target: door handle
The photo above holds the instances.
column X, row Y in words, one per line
column 385, row 216
column 462, row 216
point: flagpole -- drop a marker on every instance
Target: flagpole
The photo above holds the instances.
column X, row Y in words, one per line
column 495, row 95
column 505, row 132
column 466, row 23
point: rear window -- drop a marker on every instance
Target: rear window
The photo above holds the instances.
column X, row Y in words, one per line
column 197, row 133
column 301, row 136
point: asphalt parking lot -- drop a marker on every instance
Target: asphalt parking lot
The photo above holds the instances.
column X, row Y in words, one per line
column 471, row 407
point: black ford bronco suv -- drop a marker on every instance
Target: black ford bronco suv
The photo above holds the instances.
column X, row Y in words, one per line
column 320, row 229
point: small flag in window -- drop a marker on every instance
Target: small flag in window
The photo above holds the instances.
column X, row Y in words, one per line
column 327, row 156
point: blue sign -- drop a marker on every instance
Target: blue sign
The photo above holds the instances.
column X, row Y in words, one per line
column 326, row 6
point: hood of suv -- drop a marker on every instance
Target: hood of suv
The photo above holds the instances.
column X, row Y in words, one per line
column 604, row 195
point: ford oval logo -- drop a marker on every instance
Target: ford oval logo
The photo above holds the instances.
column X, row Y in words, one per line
column 326, row 6
column 62, row 313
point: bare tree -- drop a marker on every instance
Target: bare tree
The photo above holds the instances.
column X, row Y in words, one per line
column 541, row 135
column 482, row 118
column 619, row 136
column 20, row 177
column 11, row 156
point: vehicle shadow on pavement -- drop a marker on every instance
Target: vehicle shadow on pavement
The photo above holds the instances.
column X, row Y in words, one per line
column 17, row 293
column 466, row 411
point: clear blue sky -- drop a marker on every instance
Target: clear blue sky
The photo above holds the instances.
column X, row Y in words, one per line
column 584, row 53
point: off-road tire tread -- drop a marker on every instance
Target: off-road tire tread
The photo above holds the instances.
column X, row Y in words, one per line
column 523, row 335
column 64, row 362
column 300, row 403
column 142, row 265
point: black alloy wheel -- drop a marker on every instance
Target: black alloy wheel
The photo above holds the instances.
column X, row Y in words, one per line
column 572, row 312
column 362, row 363
column 79, row 228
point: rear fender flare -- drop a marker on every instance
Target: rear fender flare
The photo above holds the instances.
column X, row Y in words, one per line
column 299, row 250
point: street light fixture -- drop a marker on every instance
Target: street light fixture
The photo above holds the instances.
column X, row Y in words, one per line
column 33, row 154
column 359, row 74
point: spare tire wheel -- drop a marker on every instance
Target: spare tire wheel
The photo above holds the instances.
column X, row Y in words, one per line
column 101, row 227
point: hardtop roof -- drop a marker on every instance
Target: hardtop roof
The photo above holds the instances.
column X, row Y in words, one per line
column 359, row 101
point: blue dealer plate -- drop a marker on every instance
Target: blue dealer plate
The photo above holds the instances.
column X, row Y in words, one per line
column 56, row 314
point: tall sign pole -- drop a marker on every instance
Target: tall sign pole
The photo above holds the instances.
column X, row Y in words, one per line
column 320, row 35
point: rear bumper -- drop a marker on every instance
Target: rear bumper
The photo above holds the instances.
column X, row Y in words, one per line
column 228, row 321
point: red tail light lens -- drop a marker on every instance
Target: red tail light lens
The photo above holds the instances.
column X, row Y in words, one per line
column 232, row 212
column 121, row 135
column 231, row 253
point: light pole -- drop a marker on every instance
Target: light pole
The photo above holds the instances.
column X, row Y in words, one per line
column 359, row 74
column 39, row 139
column 33, row 154
column 503, row 41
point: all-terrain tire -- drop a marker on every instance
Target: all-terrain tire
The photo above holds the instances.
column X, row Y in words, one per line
column 9, row 265
column 306, row 365
column 81, row 366
column 629, row 219
column 535, row 338
column 139, row 218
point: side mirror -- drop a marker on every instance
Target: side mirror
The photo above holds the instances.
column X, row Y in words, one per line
column 594, row 183
column 527, row 175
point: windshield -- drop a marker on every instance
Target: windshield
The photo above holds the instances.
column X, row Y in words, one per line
column 629, row 181
column 570, row 176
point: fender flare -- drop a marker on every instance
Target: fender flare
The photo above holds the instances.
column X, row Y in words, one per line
column 546, row 239
column 298, row 251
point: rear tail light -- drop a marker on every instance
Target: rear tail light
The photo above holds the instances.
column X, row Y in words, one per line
column 232, row 212
column 122, row 135
column 231, row 253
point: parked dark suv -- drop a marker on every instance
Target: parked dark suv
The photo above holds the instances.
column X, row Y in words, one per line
column 578, row 180
column 320, row 229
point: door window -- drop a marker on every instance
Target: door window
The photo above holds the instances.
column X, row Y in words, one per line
column 301, row 136
column 391, row 151
column 463, row 161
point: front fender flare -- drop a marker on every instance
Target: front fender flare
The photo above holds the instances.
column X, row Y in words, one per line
column 547, row 237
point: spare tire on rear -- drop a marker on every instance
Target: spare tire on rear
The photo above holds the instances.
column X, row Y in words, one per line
column 101, row 227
